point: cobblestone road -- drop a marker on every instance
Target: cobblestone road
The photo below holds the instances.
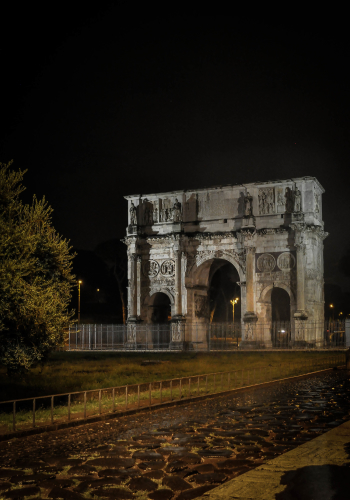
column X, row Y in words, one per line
column 179, row 452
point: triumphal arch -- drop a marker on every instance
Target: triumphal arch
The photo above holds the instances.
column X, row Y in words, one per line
column 271, row 233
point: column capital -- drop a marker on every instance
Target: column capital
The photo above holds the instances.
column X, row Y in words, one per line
column 250, row 250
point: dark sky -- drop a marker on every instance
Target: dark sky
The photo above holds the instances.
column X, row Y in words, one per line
column 98, row 104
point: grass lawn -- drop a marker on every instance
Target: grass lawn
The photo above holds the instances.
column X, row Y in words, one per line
column 78, row 371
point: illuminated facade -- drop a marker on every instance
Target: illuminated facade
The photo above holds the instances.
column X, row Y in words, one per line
column 271, row 232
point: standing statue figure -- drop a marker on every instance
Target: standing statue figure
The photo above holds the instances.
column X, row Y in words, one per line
column 289, row 200
column 177, row 211
column 297, row 200
column 133, row 215
column 248, row 205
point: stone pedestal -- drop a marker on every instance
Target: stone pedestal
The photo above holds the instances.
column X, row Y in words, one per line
column 177, row 333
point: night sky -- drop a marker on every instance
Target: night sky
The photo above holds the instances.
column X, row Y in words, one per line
column 98, row 104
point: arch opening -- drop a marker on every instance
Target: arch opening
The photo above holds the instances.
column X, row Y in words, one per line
column 280, row 315
column 223, row 290
column 160, row 308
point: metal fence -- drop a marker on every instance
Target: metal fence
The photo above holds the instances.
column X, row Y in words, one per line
column 25, row 414
column 208, row 336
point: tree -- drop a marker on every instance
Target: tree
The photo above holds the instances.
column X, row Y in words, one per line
column 113, row 253
column 35, row 278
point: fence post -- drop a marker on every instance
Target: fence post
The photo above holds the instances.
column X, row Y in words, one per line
column 198, row 386
column 189, row 387
column 138, row 396
column 85, row 405
column 206, row 384
column 150, row 394
column 34, row 412
column 180, row 389
column 52, row 409
column 99, row 402
column 14, row 416
column 126, row 397
column 214, row 382
column 228, row 379
column 221, row 382
column 68, row 407
column 242, row 378
column 171, row 390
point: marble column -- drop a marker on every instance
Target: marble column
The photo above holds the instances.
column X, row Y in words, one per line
column 250, row 303
column 300, row 312
column 132, row 299
column 138, row 286
column 178, row 304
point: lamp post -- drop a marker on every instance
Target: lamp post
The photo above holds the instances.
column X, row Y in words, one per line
column 233, row 302
column 332, row 308
column 79, row 283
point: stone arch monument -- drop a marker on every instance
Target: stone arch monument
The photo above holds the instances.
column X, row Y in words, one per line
column 271, row 232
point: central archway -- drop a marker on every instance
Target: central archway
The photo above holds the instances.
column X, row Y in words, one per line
column 224, row 288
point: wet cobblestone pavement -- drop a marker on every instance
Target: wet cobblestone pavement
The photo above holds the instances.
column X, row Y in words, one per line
column 179, row 452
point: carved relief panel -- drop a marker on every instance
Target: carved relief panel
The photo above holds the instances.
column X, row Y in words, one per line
column 266, row 201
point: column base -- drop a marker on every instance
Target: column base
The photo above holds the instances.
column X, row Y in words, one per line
column 250, row 317
column 300, row 314
column 177, row 332
column 132, row 323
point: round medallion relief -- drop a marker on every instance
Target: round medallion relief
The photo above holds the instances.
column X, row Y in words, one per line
column 153, row 269
column 286, row 261
column 168, row 268
column 266, row 262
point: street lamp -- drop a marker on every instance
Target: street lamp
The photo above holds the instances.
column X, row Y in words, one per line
column 79, row 283
column 233, row 302
column 332, row 307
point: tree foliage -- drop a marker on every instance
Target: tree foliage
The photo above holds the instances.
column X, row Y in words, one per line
column 35, row 277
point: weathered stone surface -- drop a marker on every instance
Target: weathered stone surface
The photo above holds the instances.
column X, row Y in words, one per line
column 176, row 483
column 58, row 492
column 5, row 485
column 212, row 452
column 118, row 463
column 117, row 493
column 152, row 465
column 80, row 469
column 176, row 466
column 188, row 458
column 31, row 478
column 142, row 484
column 240, row 225
column 194, row 493
column 154, row 474
column 203, row 468
column 108, row 472
column 147, row 455
column 232, row 462
column 161, row 494
column 210, row 478
column 22, row 492
column 4, row 473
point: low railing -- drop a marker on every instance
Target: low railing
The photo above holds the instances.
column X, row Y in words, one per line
column 24, row 414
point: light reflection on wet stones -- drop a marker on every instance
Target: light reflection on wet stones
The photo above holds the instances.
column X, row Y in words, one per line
column 189, row 455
